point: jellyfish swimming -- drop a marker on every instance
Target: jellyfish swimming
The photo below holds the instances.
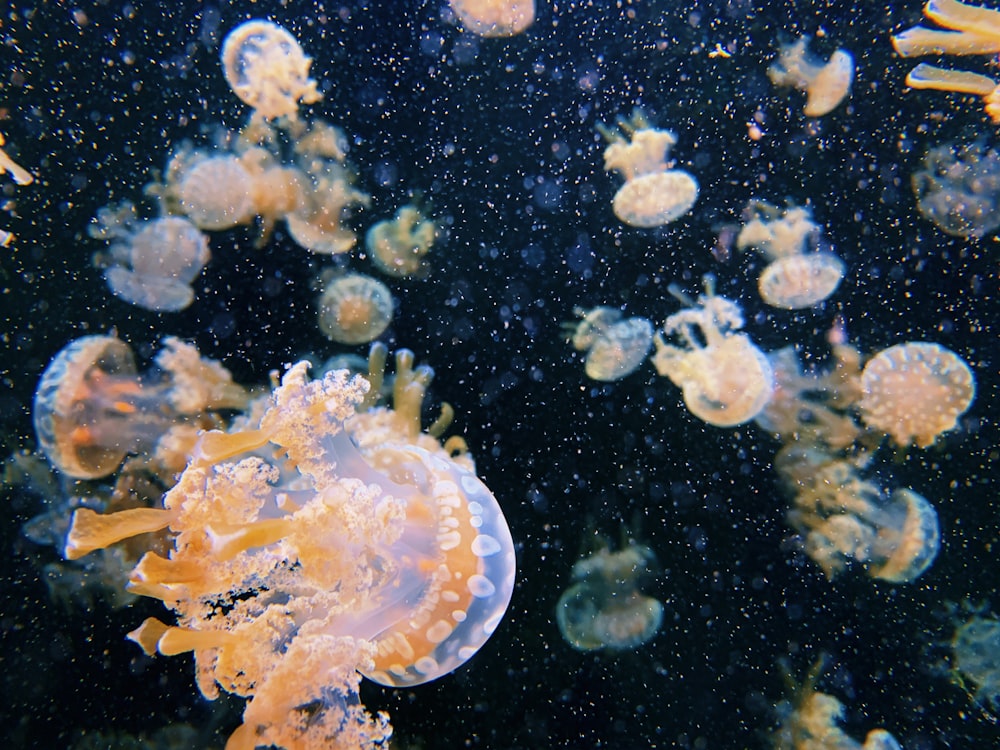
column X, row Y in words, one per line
column 725, row 379
column 615, row 346
column 91, row 408
column 266, row 68
column 398, row 246
column 975, row 651
column 653, row 193
column 355, row 309
column 957, row 187
column 604, row 608
column 214, row 191
column 826, row 84
column 777, row 232
column 494, row 18
column 915, row 392
column 324, row 539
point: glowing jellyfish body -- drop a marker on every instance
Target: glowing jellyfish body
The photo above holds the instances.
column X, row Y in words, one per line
column 958, row 188
column 355, row 309
column 796, row 282
column 336, row 541
column 916, row 391
column 615, row 347
column 398, row 246
column 975, row 648
column 777, row 232
column 725, row 379
column 826, row 84
column 216, row 192
column 266, row 68
column 604, row 609
column 153, row 266
column 492, row 18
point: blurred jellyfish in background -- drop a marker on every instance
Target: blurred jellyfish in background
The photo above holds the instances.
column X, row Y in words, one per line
column 494, row 17
column 826, row 84
column 91, row 408
column 355, row 309
column 975, row 655
column 798, row 275
column 653, row 193
column 809, row 718
column 604, row 608
column 215, row 191
column 915, row 391
column 615, row 346
column 398, row 245
column 725, row 379
column 266, row 68
column 150, row 263
column 958, row 188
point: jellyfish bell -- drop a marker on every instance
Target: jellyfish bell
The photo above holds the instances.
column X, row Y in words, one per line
column 615, row 347
column 494, row 18
column 916, row 391
column 796, row 282
column 653, row 200
column 826, row 84
column 215, row 192
column 355, row 309
column 904, row 558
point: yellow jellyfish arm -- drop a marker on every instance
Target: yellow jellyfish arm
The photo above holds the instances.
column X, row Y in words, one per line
column 926, row 76
column 970, row 19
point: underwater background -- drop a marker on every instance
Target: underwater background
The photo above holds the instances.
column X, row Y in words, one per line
column 498, row 138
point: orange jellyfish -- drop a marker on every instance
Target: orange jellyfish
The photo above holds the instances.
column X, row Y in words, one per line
column 726, row 380
column 91, row 408
column 355, row 309
column 152, row 264
column 315, row 543
column 398, row 246
column 968, row 30
column 494, row 17
column 604, row 608
column 826, row 84
column 653, row 193
column 266, row 68
column 915, row 391
column 615, row 347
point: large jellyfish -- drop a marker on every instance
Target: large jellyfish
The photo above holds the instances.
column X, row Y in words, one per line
column 826, row 84
column 604, row 608
column 726, row 380
column 615, row 346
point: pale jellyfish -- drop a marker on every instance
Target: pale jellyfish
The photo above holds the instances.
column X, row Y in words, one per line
column 152, row 265
column 317, row 224
column 604, row 608
column 777, row 232
column 653, row 193
column 800, row 281
column 494, row 17
column 398, row 246
column 266, row 68
column 958, row 188
column 975, row 648
column 615, row 346
column 826, row 84
column 355, row 309
column 214, row 192
column 726, row 380
column 915, row 391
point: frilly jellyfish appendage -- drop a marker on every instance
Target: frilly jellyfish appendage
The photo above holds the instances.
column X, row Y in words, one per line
column 726, row 380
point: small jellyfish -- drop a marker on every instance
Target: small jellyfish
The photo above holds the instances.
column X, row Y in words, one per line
column 826, row 84
column 494, row 17
column 975, row 648
column 266, row 68
column 726, row 380
column 915, row 391
column 398, row 246
column 215, row 192
column 604, row 609
column 355, row 309
column 153, row 263
column 653, row 193
column 797, row 282
column 958, row 188
column 776, row 232
column 317, row 224
column 91, row 408
column 615, row 347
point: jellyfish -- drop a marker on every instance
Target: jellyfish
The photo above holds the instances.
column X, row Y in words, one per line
column 844, row 517
column 968, row 30
column 91, row 408
column 604, row 608
column 323, row 539
column 615, row 347
column 355, row 309
column 214, row 192
column 826, row 84
column 266, row 68
column 398, row 246
column 975, row 648
column 775, row 232
column 797, row 282
column 916, row 391
column 653, row 193
column 726, row 380
column 958, row 188
column 317, row 224
column 494, row 17
column 152, row 264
